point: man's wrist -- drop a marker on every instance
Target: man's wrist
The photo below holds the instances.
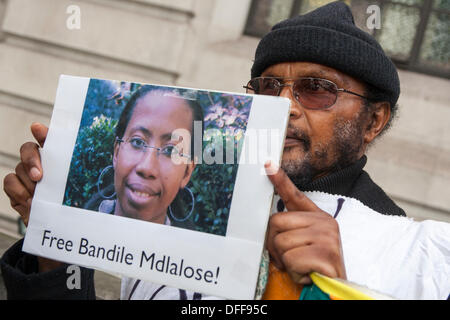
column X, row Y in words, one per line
column 46, row 265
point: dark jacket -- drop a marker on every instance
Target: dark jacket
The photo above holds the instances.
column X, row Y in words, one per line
column 20, row 270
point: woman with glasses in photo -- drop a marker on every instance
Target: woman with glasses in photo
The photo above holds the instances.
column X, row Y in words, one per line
column 146, row 182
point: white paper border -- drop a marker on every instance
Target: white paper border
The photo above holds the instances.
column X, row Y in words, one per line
column 237, row 254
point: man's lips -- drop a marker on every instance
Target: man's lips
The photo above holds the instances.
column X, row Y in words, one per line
column 296, row 137
column 292, row 142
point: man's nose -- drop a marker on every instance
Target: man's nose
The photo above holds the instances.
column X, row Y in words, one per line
column 296, row 108
column 148, row 166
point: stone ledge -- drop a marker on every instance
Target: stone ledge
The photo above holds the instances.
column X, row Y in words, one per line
column 149, row 42
column 34, row 76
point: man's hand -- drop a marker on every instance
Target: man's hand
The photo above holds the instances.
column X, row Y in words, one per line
column 19, row 186
column 305, row 239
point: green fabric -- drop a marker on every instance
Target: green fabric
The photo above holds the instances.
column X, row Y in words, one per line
column 263, row 276
column 312, row 292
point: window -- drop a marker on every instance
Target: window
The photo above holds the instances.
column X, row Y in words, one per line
column 414, row 33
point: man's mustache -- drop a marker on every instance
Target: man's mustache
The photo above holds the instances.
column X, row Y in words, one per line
column 299, row 134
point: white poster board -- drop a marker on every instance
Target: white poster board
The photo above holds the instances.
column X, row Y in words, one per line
column 223, row 264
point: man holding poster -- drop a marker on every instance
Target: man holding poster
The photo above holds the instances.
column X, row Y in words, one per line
column 343, row 91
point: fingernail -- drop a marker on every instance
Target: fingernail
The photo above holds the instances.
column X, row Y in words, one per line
column 271, row 168
column 35, row 173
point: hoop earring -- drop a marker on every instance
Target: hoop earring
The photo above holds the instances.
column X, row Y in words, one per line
column 100, row 180
column 190, row 212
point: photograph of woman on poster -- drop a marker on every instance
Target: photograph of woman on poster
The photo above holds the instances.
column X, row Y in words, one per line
column 122, row 164
column 146, row 180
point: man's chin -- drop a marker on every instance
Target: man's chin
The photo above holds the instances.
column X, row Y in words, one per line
column 293, row 154
column 297, row 165
column 292, row 166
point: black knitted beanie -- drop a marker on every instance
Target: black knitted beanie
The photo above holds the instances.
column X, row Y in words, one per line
column 328, row 36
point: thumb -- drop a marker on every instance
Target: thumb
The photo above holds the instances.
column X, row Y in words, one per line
column 39, row 132
column 293, row 198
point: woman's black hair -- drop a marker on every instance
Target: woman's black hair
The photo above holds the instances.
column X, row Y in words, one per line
column 127, row 113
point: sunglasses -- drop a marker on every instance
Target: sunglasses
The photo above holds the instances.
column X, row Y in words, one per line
column 311, row 93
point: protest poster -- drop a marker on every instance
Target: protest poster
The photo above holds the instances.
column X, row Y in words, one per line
column 163, row 184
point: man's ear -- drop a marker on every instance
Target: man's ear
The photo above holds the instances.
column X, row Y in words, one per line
column 379, row 116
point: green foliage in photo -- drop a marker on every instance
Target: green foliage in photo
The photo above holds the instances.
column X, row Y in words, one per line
column 93, row 153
